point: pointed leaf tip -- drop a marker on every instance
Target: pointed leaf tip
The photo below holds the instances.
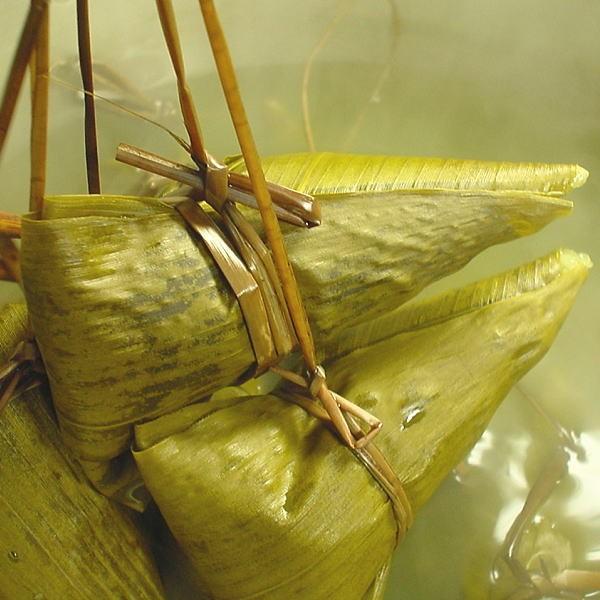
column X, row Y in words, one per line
column 581, row 176
column 451, row 359
column 326, row 173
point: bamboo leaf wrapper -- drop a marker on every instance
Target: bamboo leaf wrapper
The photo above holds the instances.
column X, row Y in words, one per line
column 60, row 539
column 267, row 503
column 134, row 320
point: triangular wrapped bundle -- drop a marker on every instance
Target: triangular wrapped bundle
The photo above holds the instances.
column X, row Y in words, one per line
column 134, row 319
column 60, row 538
column 266, row 501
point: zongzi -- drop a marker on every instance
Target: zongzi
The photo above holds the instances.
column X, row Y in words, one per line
column 60, row 538
column 267, row 503
column 134, row 319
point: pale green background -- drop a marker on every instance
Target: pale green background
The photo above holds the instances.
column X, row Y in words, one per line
column 507, row 80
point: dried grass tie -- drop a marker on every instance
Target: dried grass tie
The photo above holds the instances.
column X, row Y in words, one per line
column 342, row 415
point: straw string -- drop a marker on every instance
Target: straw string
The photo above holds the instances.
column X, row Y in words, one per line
column 246, row 289
column 39, row 115
column 19, row 64
column 341, row 413
column 365, row 451
column 215, row 173
column 290, row 206
column 87, row 78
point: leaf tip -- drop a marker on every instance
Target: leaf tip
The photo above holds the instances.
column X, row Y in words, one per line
column 580, row 177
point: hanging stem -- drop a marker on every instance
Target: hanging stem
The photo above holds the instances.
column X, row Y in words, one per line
column 341, row 12
column 19, row 65
column 39, row 116
column 188, row 110
column 259, row 184
column 270, row 223
column 215, row 173
column 87, row 77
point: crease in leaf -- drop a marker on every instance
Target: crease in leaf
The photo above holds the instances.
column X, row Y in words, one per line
column 419, row 314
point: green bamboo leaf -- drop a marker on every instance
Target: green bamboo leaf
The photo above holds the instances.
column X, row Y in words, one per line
column 461, row 353
column 122, row 300
column 134, row 319
column 326, row 173
column 266, row 502
column 422, row 313
column 60, row 539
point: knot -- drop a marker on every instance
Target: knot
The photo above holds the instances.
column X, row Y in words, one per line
column 318, row 381
column 361, row 445
column 351, row 413
column 216, row 178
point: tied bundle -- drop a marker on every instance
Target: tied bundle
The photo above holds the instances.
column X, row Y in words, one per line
column 60, row 538
column 134, row 319
column 144, row 308
column 267, row 503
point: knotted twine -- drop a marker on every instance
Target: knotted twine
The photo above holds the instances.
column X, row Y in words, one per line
column 246, row 264
column 263, row 280
column 263, row 283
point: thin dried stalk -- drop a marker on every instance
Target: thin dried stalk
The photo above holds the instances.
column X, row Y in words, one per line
column 394, row 20
column 381, row 79
column 259, row 185
column 290, row 206
column 239, row 278
column 124, row 109
column 272, row 230
column 257, row 260
column 39, row 116
column 87, row 77
column 255, row 241
column 308, row 130
column 563, row 435
column 215, row 174
column 19, row 65
column 188, row 110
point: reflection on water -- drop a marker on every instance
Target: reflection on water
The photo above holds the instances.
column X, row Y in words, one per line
column 476, row 81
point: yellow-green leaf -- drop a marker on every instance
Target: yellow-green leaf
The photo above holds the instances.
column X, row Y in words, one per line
column 268, row 503
column 325, row 173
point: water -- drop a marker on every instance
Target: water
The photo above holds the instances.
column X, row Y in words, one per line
column 509, row 81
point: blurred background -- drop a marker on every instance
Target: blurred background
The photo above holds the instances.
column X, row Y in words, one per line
column 512, row 80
